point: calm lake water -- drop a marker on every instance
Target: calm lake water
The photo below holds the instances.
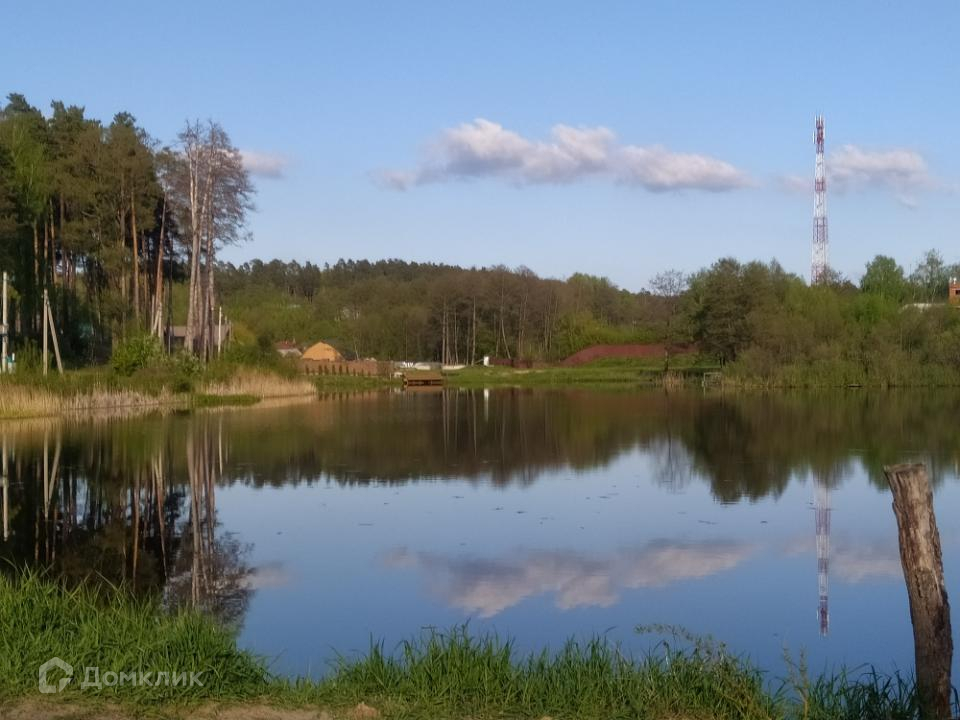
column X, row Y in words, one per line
column 538, row 514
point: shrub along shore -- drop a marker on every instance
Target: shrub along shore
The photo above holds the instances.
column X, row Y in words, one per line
column 450, row 675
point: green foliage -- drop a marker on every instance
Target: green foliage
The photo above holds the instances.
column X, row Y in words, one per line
column 398, row 310
column 931, row 277
column 772, row 329
column 135, row 353
column 187, row 368
column 88, row 627
column 883, row 277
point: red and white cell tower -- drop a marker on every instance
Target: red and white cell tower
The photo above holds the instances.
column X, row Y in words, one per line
column 821, row 507
column 819, row 266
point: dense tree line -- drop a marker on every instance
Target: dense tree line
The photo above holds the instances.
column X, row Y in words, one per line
column 756, row 318
column 396, row 309
column 104, row 219
column 769, row 325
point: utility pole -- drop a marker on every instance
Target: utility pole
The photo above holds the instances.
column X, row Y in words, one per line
column 4, row 329
column 50, row 329
column 818, row 268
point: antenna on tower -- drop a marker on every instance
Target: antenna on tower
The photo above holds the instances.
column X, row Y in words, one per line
column 819, row 267
column 821, row 506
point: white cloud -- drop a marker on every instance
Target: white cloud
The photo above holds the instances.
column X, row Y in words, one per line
column 488, row 587
column 268, row 165
column 900, row 171
column 485, row 149
column 796, row 183
column 851, row 166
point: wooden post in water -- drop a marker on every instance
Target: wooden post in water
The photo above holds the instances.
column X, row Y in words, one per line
column 922, row 563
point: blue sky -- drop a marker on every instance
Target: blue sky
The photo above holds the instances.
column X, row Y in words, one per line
column 619, row 139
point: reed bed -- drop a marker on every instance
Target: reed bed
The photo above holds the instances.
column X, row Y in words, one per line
column 439, row 675
column 24, row 401
column 259, row 384
column 86, row 392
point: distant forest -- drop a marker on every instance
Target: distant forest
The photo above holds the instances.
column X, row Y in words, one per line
column 123, row 233
column 397, row 309
column 754, row 317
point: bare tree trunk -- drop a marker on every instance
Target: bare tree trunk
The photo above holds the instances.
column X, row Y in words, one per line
column 136, row 256
column 63, row 248
column 210, row 303
column 157, row 305
column 523, row 314
column 218, row 190
column 443, row 334
column 473, row 332
column 456, row 337
column 503, row 330
column 36, row 268
column 193, row 170
column 922, row 563
column 53, row 242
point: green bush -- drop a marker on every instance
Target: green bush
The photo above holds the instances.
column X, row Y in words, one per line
column 135, row 353
column 186, row 367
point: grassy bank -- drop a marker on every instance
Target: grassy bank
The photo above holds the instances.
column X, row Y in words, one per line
column 448, row 675
column 749, row 374
column 651, row 372
column 690, row 370
column 26, row 395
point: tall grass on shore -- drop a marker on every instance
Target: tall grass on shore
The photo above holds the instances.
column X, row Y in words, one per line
column 260, row 384
column 454, row 673
column 449, row 675
column 21, row 400
column 90, row 391
column 85, row 627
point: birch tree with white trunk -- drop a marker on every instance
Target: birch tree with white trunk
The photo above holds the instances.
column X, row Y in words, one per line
column 215, row 193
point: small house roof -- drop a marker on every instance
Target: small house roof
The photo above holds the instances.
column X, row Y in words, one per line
column 322, row 351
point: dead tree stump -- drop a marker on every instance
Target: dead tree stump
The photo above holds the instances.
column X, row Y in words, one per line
column 922, row 563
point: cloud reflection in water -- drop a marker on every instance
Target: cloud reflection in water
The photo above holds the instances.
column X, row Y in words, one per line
column 488, row 587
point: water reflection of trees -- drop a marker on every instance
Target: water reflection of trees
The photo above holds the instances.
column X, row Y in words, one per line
column 744, row 446
column 134, row 501
column 108, row 502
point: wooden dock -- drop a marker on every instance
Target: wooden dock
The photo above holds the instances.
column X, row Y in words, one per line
column 422, row 378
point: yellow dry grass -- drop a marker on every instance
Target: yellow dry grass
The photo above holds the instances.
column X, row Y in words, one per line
column 27, row 401
column 20, row 401
column 261, row 384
